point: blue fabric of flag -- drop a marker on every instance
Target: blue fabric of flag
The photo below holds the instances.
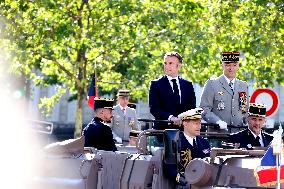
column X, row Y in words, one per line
column 268, row 159
column 91, row 93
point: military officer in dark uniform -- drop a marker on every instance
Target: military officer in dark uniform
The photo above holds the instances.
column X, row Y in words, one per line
column 253, row 136
column 192, row 145
column 133, row 135
column 97, row 133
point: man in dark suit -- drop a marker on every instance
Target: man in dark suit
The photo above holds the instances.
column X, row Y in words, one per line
column 192, row 145
column 253, row 136
column 97, row 133
column 170, row 95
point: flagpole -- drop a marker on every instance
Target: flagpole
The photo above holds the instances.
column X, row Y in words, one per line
column 96, row 82
column 278, row 157
column 278, row 172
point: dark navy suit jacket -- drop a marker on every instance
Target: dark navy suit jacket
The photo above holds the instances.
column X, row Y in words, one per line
column 161, row 99
column 246, row 138
column 187, row 153
column 99, row 135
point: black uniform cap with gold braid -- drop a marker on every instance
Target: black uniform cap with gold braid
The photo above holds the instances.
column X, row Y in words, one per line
column 131, row 105
column 123, row 92
column 256, row 109
column 134, row 133
column 228, row 57
column 103, row 103
column 191, row 114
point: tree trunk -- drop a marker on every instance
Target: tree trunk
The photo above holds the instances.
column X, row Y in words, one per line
column 81, row 62
column 79, row 116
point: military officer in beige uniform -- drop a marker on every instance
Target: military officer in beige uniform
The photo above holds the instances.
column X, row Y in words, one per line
column 225, row 99
column 124, row 118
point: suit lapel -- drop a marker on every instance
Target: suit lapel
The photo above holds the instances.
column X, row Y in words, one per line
column 250, row 137
column 119, row 110
column 181, row 87
column 225, row 85
column 237, row 86
column 264, row 140
column 167, row 85
column 128, row 111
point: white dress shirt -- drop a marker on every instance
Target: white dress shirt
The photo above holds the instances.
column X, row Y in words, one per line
column 189, row 139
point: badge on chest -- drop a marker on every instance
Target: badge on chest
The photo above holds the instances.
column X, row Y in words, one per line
column 221, row 104
column 243, row 101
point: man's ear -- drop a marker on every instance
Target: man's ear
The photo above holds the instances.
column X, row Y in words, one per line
column 101, row 111
column 179, row 65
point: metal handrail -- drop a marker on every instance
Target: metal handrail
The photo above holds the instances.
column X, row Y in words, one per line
column 149, row 132
column 202, row 124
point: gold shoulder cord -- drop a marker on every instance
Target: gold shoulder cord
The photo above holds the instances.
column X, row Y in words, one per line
column 177, row 177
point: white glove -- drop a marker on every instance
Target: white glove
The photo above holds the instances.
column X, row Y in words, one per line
column 176, row 120
column 222, row 124
column 118, row 139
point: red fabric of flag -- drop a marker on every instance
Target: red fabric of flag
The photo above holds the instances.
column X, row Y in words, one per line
column 266, row 173
column 268, row 176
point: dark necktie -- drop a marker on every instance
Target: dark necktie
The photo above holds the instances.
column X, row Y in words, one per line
column 231, row 85
column 256, row 141
column 176, row 92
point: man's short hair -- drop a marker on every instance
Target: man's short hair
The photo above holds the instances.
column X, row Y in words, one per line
column 96, row 111
column 175, row 54
column 131, row 105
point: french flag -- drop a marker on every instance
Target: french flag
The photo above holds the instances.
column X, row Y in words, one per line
column 266, row 173
column 92, row 93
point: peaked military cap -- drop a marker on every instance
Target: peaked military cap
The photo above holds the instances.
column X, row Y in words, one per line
column 256, row 109
column 103, row 103
column 191, row 114
column 134, row 133
column 131, row 105
column 228, row 57
column 123, row 92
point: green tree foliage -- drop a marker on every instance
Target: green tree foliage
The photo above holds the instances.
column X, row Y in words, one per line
column 255, row 28
column 58, row 42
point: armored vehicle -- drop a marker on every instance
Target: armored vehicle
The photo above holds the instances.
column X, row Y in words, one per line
column 68, row 165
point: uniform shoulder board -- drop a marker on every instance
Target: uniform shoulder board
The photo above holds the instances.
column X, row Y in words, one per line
column 264, row 132
column 238, row 132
